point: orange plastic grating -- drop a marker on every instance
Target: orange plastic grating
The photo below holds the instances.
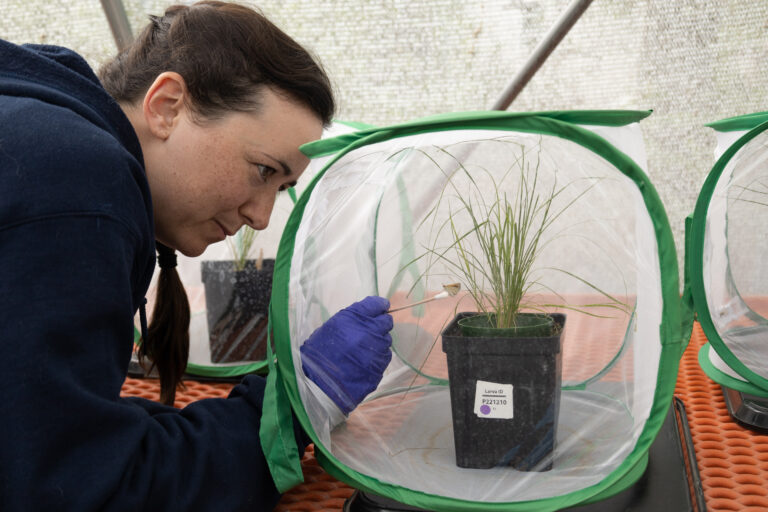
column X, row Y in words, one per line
column 732, row 460
column 192, row 391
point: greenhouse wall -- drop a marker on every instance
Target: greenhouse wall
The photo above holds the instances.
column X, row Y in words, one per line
column 691, row 62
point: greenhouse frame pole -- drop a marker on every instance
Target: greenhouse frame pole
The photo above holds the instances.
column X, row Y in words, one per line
column 547, row 45
column 118, row 22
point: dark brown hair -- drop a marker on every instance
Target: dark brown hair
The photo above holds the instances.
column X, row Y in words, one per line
column 226, row 53
column 167, row 345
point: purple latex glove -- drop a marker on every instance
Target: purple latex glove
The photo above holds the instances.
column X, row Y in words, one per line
column 347, row 355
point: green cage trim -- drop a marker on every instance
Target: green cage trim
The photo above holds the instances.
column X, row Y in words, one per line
column 491, row 120
column 671, row 326
column 225, row 371
column 687, row 308
column 723, row 378
column 739, row 123
column 695, row 257
column 276, row 429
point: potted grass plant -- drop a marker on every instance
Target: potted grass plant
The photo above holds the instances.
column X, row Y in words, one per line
column 504, row 359
column 237, row 294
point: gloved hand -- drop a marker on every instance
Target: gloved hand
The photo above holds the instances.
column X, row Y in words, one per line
column 347, row 355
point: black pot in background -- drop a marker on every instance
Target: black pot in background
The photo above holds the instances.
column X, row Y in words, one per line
column 532, row 366
column 237, row 306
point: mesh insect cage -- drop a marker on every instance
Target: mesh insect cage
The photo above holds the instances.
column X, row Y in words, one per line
column 540, row 362
column 728, row 277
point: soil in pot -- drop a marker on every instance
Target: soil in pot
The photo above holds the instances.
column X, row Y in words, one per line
column 237, row 305
column 505, row 394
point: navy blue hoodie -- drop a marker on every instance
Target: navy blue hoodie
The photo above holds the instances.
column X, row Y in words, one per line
column 76, row 257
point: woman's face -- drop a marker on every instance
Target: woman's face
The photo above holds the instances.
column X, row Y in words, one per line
column 209, row 179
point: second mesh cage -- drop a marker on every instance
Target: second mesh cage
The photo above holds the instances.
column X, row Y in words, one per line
column 548, row 219
column 729, row 281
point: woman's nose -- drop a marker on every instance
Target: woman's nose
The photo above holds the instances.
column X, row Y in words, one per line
column 258, row 210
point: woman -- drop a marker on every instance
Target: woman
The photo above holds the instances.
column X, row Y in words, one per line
column 189, row 134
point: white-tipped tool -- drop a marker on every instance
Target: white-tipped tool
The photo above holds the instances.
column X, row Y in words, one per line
column 449, row 290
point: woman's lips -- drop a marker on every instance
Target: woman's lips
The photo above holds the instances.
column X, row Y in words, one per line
column 224, row 230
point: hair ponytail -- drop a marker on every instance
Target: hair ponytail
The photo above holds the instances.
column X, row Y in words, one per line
column 168, row 344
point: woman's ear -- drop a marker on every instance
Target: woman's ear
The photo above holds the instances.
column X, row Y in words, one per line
column 164, row 103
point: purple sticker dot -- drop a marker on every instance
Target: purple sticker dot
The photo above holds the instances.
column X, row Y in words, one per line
column 484, row 409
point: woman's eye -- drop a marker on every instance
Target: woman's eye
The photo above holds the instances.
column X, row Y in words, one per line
column 265, row 171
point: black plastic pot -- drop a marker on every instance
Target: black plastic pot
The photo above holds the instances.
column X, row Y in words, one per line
column 237, row 304
column 485, row 435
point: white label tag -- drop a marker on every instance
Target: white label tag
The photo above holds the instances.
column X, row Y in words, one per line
column 493, row 400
